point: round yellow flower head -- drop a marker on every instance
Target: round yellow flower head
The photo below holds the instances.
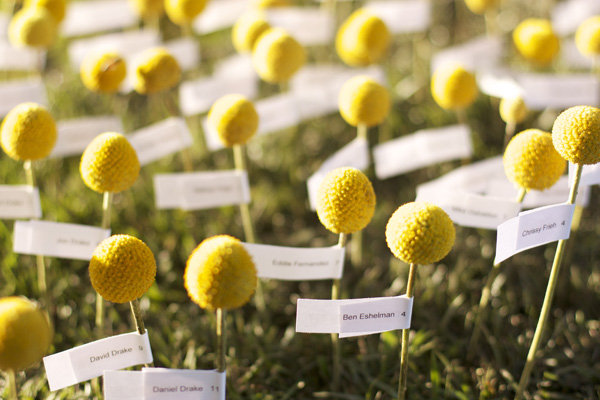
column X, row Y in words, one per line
column 122, row 268
column 513, row 109
column 103, row 72
column 183, row 12
column 262, row 4
column 481, row 6
column 157, row 70
column 148, row 8
column 109, row 163
column 362, row 101
column 56, row 8
column 536, row 41
column 25, row 333
column 32, row 27
column 587, row 37
column 28, row 132
column 453, row 87
column 234, row 118
column 345, row 200
column 420, row 233
column 246, row 31
column 277, row 56
column 531, row 162
column 220, row 274
column 576, row 134
column 362, row 39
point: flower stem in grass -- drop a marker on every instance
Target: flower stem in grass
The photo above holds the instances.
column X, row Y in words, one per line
column 240, row 165
column 405, row 336
column 335, row 340
column 106, row 208
column 220, row 340
column 139, row 321
column 12, row 385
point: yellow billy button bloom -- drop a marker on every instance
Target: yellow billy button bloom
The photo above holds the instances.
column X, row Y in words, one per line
column 453, row 87
column 234, row 118
column 25, row 333
column 420, row 233
column 531, row 162
column 576, row 134
column 587, row 37
column 183, row 12
column 362, row 101
column 481, row 6
column 220, row 274
column 536, row 41
column 156, row 71
column 32, row 27
column 103, row 72
column 262, row 4
column 362, row 39
column 122, row 268
column 28, row 132
column 56, row 8
column 513, row 109
column 345, row 200
column 246, row 31
column 109, row 163
column 148, row 8
column 277, row 56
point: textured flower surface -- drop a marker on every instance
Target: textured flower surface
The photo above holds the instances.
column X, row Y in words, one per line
column 246, row 31
column 481, row 6
column 122, row 268
column 156, row 70
column 345, row 200
column 28, row 132
column 109, row 163
column 25, row 333
column 453, row 87
column 33, row 27
column 183, row 12
column 587, row 37
column 220, row 274
column 536, row 41
column 531, row 162
column 148, row 8
column 420, row 233
column 576, row 134
column 363, row 101
column 234, row 118
column 513, row 109
column 277, row 56
column 363, row 39
column 103, row 72
column 56, row 8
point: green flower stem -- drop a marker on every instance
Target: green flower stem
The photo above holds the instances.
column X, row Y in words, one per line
column 240, row 165
column 547, row 304
column 139, row 321
column 221, row 340
column 509, row 131
column 361, row 131
column 12, row 385
column 405, row 337
column 491, row 25
column 461, row 116
column 106, row 209
column 335, row 340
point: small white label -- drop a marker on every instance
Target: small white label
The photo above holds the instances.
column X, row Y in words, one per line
column 480, row 54
column 74, row 135
column 90, row 360
column 16, row 92
column 499, row 83
column 161, row 139
column 590, row 175
column 405, row 16
column 95, row 16
column 568, row 15
column 186, row 51
column 56, row 239
column 533, row 228
column 541, row 91
column 297, row 264
column 219, row 15
column 19, row 201
column 18, row 58
column 309, row 26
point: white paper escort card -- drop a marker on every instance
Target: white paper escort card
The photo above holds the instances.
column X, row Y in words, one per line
column 421, row 149
column 542, row 91
column 567, row 15
column 93, row 16
column 164, row 384
column 75, row 134
column 160, row 139
column 354, row 317
column 19, row 58
column 404, row 16
column 19, row 201
column 219, row 15
column 20, row 91
column 90, row 360
column 533, row 228
column 589, row 176
column 297, row 264
column 201, row 190
column 480, row 54
column 308, row 25
column 55, row 239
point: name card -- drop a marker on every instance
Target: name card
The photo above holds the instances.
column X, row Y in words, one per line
column 480, row 54
column 420, row 149
column 533, row 228
column 161, row 139
column 567, row 15
column 90, row 360
column 186, row 51
column 406, row 16
column 542, row 91
column 571, row 57
column 16, row 92
column 201, row 190
column 95, row 16
column 19, row 201
column 74, row 135
column 589, row 176
column 499, row 83
column 297, row 264
column 219, row 15
column 309, row 26
column 18, row 58
column 56, row 239
column 354, row 317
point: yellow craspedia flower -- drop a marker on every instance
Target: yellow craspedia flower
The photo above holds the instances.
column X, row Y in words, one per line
column 363, row 101
column 481, row 6
column 576, row 134
column 531, row 162
column 28, row 132
column 420, row 233
column 270, row 3
column 157, row 70
column 536, row 41
column 220, row 274
column 56, row 8
column 587, row 37
column 277, row 56
column 513, row 109
column 362, row 39
column 109, row 163
column 33, row 27
column 148, row 8
column 453, row 87
column 246, row 31
column 103, row 72
column 122, row 268
column 25, row 333
column 183, row 12
column 345, row 200
column 234, row 118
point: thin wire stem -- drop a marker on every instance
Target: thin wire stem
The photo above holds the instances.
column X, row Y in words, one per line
column 221, row 343
column 405, row 338
column 335, row 340
column 12, row 385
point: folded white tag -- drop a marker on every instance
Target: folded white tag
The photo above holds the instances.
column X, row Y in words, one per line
column 15, row 92
column 186, row 51
column 19, row 201
column 568, row 15
column 75, row 134
column 308, row 25
column 18, row 58
column 219, row 15
column 404, row 16
column 93, row 16
column 479, row 54
column 160, row 139
column 542, row 91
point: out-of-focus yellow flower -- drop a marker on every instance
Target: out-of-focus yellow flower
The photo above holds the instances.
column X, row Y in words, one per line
column 183, row 12
column 453, row 87
column 513, row 109
column 234, row 118
column 576, row 134
column 25, row 333
column 277, row 56
column 362, row 39
column 103, row 72
column 28, row 132
column 220, row 274
column 262, row 4
column 246, row 31
column 122, row 268
column 420, row 233
column 531, row 162
column 362, row 101
column 156, row 71
column 109, row 163
column 587, row 37
column 56, row 8
column 148, row 8
column 481, row 6
column 345, row 200
column 536, row 41
column 32, row 27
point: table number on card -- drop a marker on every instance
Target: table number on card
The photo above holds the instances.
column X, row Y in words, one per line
column 19, row 201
